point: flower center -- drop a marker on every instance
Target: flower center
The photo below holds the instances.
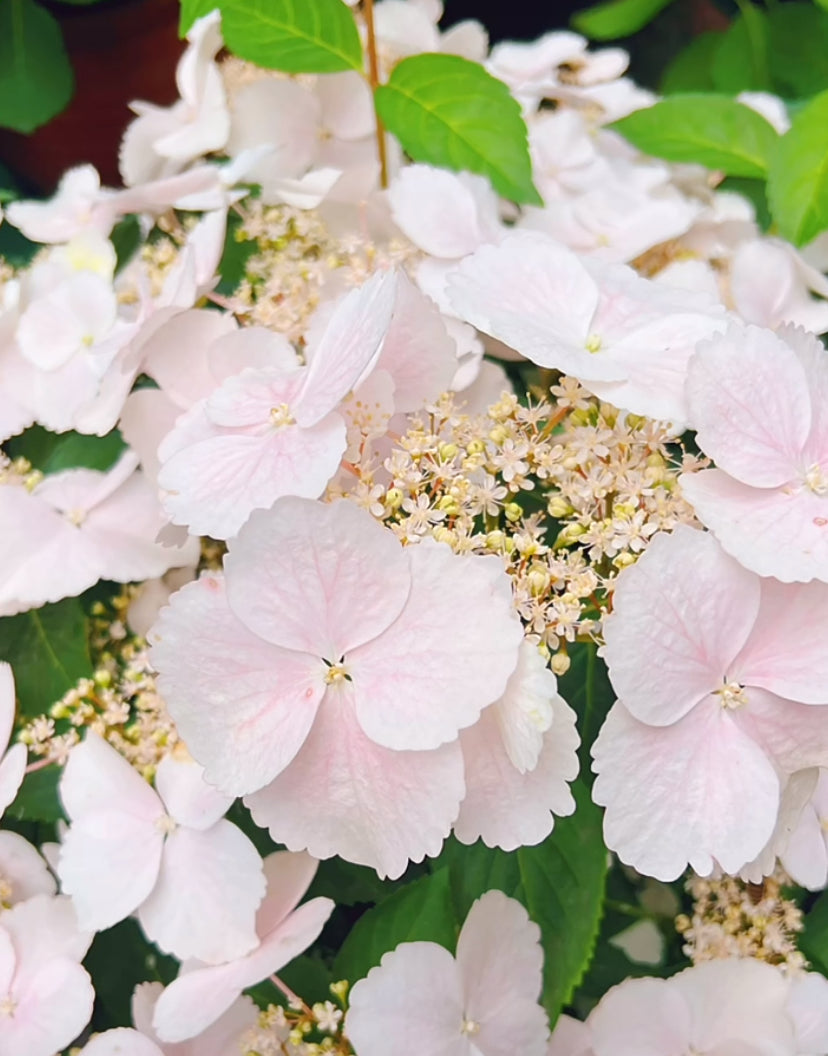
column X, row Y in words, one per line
column 816, row 480
column 75, row 516
column 280, row 416
column 337, row 673
column 470, row 1027
column 166, row 825
column 733, row 695
column 7, row 1006
column 593, row 343
column 6, row 892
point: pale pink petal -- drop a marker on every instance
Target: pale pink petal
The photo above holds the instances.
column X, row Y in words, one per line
column 220, row 1039
column 66, row 214
column 242, row 705
column 414, row 996
column 808, row 1008
column 43, row 928
column 348, row 348
column 12, row 770
column 53, row 1005
column 23, row 869
column 680, row 616
column 109, row 864
column 433, row 670
column 697, row 792
column 7, row 704
column 204, row 903
column 215, row 483
column 347, row 105
column 738, row 1002
column 551, row 301
column 246, row 399
column 780, row 532
column 288, row 877
column 438, row 211
column 196, row 999
column 786, row 651
column 814, row 359
column 283, row 114
column 345, row 795
column 121, row 1042
column 146, row 419
column 500, row 961
column 805, row 854
column 508, row 808
column 322, row 578
column 417, row 352
column 794, row 736
column 97, row 777
column 176, row 355
column 748, row 400
column 794, row 807
column 570, row 1037
column 188, row 798
column 525, row 711
column 641, row 1017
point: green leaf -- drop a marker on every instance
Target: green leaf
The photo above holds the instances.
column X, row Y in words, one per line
column 450, row 112
column 53, row 452
column 36, row 80
column 799, row 54
column 561, row 883
column 118, row 960
column 419, row 911
column 813, row 939
column 192, row 10
column 38, row 798
column 798, row 179
column 690, row 71
column 126, row 237
column 587, row 688
column 741, row 60
column 755, row 191
column 617, row 18
column 296, row 36
column 708, row 129
column 235, row 255
column 350, row 884
column 48, row 651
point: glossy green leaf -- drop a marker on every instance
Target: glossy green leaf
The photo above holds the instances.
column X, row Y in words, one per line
column 48, row 651
column 450, row 112
column 690, row 70
column 38, row 799
column 36, row 79
column 798, row 55
column 53, row 452
column 296, row 36
column 741, row 62
column 708, row 129
column 561, row 883
column 813, row 940
column 587, row 689
column 798, row 179
column 617, row 18
column 420, row 911
column 192, row 10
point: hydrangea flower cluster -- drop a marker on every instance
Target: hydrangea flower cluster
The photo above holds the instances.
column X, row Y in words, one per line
column 346, row 509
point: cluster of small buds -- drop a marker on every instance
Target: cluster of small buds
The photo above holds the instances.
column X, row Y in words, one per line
column 300, row 1030
column 732, row 918
column 568, row 491
column 18, row 471
column 119, row 702
column 294, row 258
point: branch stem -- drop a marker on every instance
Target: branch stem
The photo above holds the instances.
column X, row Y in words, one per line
column 373, row 80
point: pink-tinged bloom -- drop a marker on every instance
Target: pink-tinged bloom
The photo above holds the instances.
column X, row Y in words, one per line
column 625, row 338
column 162, row 141
column 269, row 432
column 328, row 674
column 46, row 996
column 804, row 850
column 736, row 1006
column 202, row 993
column 23, row 872
column 76, row 527
column 123, row 1041
column 483, row 1001
column 12, row 760
column 722, row 680
column 759, row 403
column 770, row 285
column 194, row 879
column 519, row 757
column 808, row 1009
column 219, row 1039
column 77, row 205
